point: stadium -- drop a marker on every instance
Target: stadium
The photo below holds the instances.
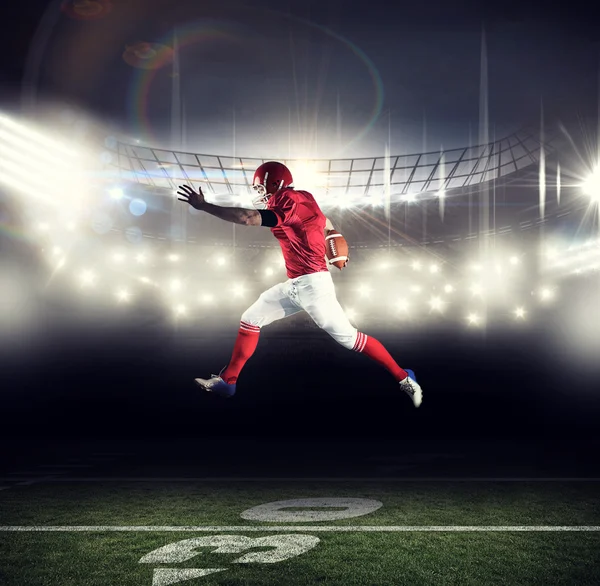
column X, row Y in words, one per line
column 477, row 264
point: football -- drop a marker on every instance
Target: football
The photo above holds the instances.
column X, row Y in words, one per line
column 336, row 249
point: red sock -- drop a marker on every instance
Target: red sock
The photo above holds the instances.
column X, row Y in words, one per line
column 375, row 350
column 244, row 347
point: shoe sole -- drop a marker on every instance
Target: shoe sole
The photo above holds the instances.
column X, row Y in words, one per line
column 209, row 390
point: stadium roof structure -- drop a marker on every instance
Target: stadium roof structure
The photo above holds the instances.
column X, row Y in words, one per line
column 351, row 180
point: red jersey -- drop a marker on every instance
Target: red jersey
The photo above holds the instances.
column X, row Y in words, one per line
column 300, row 231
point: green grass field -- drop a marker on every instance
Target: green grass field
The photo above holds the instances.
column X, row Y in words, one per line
column 423, row 533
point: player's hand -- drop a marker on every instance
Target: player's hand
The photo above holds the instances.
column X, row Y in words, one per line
column 188, row 195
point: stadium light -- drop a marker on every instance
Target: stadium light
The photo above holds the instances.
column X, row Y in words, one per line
column 591, row 186
column 473, row 319
column 206, row 298
column 123, row 295
column 87, row 278
column 239, row 290
column 116, row 193
column 436, row 304
column 351, row 313
column 402, row 305
column 306, row 175
column 364, row 291
column 519, row 313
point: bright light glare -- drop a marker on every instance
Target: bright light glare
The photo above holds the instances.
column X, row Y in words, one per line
column 415, row 265
column 239, row 290
column 434, row 269
column 175, row 285
column 448, row 289
column 473, row 319
column 87, row 278
column 268, row 271
column 546, row 294
column 402, row 305
column 173, row 257
column 180, row 309
column 514, row 260
column 123, row 295
column 220, row 261
column 519, row 313
column 364, row 291
column 591, row 186
column 116, row 193
column 306, row 175
column 436, row 303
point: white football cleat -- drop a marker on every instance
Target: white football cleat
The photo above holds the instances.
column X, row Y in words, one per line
column 215, row 384
column 411, row 387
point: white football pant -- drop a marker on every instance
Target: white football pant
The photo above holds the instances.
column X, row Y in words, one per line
column 314, row 294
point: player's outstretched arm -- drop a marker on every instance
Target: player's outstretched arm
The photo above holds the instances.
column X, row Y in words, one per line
column 234, row 215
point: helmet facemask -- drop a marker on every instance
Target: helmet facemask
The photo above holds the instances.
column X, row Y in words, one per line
column 262, row 197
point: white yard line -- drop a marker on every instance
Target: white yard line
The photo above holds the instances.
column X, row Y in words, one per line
column 296, row 528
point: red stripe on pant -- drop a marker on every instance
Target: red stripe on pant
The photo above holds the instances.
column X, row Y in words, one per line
column 375, row 350
column 244, row 347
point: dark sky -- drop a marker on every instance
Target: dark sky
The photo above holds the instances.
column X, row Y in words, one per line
column 320, row 78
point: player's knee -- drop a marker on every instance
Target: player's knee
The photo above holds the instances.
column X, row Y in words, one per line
column 251, row 318
column 345, row 340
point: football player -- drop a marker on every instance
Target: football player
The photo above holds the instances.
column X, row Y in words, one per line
column 299, row 225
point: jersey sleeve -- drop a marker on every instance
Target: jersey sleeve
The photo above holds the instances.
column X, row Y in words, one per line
column 285, row 209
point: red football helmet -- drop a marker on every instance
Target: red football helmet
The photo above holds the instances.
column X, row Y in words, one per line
column 269, row 178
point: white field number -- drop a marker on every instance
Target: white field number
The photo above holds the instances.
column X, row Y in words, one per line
column 284, row 546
